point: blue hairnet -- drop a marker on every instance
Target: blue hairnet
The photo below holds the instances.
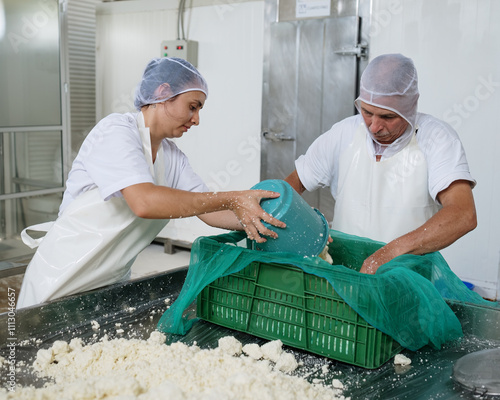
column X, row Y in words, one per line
column 165, row 78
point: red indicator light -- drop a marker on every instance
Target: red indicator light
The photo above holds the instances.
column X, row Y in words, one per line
column 166, row 47
column 180, row 47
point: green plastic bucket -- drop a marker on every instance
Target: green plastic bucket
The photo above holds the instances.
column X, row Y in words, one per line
column 307, row 230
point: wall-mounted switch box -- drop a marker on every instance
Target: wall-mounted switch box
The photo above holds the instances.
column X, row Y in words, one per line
column 185, row 49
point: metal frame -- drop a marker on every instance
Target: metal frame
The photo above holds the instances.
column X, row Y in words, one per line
column 334, row 56
column 46, row 188
column 65, row 108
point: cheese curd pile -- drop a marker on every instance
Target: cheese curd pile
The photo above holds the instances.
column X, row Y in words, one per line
column 129, row 369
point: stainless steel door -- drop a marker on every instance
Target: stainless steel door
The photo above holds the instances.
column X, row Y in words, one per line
column 310, row 82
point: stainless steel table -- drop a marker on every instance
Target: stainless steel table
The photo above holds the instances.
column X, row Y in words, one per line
column 138, row 305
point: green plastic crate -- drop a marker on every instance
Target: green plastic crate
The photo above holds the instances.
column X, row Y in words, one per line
column 275, row 301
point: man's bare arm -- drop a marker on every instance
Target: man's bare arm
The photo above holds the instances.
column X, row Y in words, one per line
column 455, row 219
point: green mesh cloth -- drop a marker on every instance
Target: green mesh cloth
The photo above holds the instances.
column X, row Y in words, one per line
column 408, row 292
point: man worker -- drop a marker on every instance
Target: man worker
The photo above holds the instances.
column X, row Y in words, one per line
column 397, row 176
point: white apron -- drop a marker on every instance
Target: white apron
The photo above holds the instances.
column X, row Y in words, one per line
column 382, row 200
column 92, row 244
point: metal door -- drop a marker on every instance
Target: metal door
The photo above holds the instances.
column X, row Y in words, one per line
column 311, row 73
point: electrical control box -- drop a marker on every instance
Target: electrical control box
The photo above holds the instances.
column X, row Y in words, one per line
column 185, row 49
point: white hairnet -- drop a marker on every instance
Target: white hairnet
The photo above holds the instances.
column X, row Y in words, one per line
column 165, row 78
column 390, row 81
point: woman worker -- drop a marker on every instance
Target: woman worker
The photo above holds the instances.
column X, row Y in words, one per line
column 126, row 182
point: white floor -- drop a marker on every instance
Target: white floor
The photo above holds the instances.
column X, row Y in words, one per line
column 153, row 259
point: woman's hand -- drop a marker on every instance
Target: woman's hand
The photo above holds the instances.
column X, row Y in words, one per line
column 150, row 201
column 246, row 206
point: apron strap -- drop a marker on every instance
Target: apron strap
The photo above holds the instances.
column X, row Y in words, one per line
column 157, row 170
column 32, row 242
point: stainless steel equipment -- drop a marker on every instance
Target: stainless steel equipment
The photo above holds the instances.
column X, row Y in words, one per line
column 138, row 305
column 311, row 73
column 479, row 372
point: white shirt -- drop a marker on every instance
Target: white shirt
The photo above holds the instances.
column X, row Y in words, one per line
column 111, row 158
column 442, row 148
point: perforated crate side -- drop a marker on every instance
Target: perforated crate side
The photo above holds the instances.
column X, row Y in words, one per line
column 271, row 328
column 224, row 308
column 301, row 310
column 354, row 343
column 235, row 283
column 331, row 306
column 209, row 248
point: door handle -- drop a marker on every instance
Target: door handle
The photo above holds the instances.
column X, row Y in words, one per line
column 360, row 51
column 277, row 137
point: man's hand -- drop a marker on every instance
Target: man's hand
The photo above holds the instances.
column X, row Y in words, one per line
column 381, row 256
